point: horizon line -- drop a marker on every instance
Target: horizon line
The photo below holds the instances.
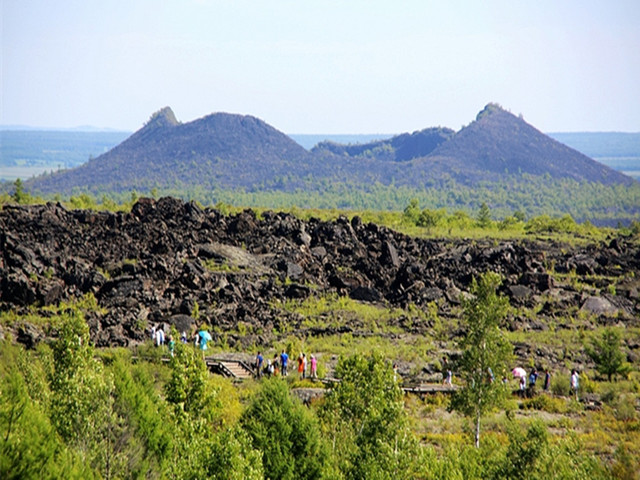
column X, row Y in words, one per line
column 93, row 129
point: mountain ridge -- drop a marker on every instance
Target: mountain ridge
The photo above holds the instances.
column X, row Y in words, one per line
column 553, row 157
column 224, row 150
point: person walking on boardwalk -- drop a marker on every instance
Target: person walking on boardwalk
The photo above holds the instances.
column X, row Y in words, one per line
column 447, row 380
column 159, row 336
column 300, row 367
column 304, row 365
column 314, row 367
column 203, row 338
column 284, row 361
column 258, row 364
column 447, row 374
column 575, row 383
column 172, row 345
column 547, row 380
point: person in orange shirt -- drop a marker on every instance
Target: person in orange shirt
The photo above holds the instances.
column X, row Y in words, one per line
column 300, row 366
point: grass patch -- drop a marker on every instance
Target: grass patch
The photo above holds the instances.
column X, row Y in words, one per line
column 220, row 267
column 333, row 310
column 48, row 316
column 406, row 349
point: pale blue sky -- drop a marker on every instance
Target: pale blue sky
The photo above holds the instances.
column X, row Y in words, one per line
column 322, row 66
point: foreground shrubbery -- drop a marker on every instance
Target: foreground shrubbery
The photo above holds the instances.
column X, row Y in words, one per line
column 69, row 411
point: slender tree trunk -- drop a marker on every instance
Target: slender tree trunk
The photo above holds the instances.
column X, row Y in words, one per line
column 478, row 431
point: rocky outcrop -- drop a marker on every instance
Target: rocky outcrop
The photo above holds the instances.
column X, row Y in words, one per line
column 168, row 261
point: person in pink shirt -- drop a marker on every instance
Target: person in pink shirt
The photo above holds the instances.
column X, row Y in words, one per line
column 314, row 367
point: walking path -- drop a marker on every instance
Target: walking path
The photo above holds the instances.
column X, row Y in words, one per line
column 240, row 370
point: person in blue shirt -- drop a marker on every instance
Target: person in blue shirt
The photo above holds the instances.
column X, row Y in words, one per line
column 259, row 362
column 203, row 337
column 284, row 360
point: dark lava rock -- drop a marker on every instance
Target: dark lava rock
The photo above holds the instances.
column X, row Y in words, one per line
column 182, row 323
column 29, row 335
column 520, row 293
column 15, row 288
column 148, row 267
column 297, row 291
column 366, row 294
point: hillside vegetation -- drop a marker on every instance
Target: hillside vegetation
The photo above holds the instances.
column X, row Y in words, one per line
column 603, row 205
column 69, row 411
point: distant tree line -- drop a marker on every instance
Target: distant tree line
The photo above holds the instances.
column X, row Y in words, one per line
column 396, row 201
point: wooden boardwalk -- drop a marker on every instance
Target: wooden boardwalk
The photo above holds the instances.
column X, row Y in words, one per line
column 240, row 370
column 226, row 367
column 417, row 389
column 430, row 388
column 229, row 368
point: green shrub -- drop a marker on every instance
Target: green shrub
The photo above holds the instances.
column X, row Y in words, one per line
column 364, row 418
column 545, row 403
column 625, row 409
column 285, row 432
column 606, row 351
column 625, row 465
column 588, row 386
column 560, row 385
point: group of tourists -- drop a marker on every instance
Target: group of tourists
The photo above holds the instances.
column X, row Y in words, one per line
column 527, row 384
column 279, row 365
column 529, row 388
column 308, row 368
column 200, row 338
column 160, row 338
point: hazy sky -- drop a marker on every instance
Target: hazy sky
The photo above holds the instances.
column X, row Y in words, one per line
column 322, row 66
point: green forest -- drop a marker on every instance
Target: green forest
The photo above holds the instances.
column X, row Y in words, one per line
column 598, row 204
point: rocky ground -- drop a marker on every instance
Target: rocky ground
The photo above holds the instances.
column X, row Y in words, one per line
column 158, row 262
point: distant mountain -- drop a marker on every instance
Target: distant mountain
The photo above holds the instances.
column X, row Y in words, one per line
column 310, row 140
column 495, row 144
column 233, row 151
column 498, row 142
column 399, row 148
column 217, row 150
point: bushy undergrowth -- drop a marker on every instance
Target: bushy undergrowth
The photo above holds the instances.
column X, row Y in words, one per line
column 545, row 403
column 146, row 418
